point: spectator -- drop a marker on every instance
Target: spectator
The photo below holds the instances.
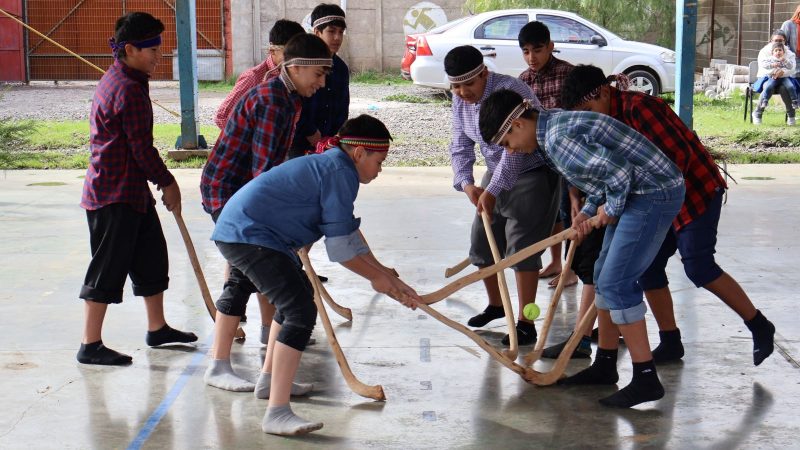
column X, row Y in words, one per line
column 778, row 37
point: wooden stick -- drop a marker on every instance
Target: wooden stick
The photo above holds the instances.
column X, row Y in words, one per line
column 513, row 348
column 535, row 354
column 198, row 271
column 347, row 313
column 364, row 390
column 480, row 274
column 450, row 271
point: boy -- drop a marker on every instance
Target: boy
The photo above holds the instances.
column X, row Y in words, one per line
column 279, row 35
column 325, row 112
column 518, row 191
column 634, row 190
column 124, row 230
column 545, row 75
column 779, row 74
column 288, row 208
column 694, row 230
column 256, row 138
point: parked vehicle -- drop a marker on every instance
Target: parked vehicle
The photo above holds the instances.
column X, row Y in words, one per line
column 577, row 40
column 411, row 46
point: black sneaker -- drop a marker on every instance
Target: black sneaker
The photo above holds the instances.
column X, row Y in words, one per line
column 526, row 334
column 489, row 314
column 322, row 279
column 582, row 351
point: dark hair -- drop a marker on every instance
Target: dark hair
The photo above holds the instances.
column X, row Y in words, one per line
column 581, row 80
column 461, row 60
column 776, row 45
column 283, row 30
column 328, row 9
column 778, row 32
column 496, row 108
column 135, row 27
column 365, row 126
column 306, row 46
column 534, row 33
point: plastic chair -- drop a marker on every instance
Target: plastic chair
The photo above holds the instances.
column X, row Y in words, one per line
column 748, row 92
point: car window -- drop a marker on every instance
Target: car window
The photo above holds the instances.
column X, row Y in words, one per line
column 504, row 27
column 447, row 26
column 566, row 30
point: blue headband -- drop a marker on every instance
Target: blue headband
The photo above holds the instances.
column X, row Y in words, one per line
column 147, row 43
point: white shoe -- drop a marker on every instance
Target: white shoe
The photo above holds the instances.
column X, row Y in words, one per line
column 756, row 119
column 790, row 121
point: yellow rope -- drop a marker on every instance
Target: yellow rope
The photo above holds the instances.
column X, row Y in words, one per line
column 77, row 56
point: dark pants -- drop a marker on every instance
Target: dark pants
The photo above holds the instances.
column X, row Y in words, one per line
column 125, row 243
column 279, row 277
column 237, row 289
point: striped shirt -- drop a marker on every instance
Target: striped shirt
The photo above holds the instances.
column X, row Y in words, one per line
column 604, row 158
column 652, row 117
column 249, row 79
column 255, row 139
column 123, row 158
column 505, row 167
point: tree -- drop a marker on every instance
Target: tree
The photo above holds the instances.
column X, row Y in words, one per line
column 640, row 20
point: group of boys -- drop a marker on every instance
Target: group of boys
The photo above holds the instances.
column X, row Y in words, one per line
column 265, row 208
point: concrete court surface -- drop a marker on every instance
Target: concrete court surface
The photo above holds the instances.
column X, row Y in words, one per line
column 443, row 391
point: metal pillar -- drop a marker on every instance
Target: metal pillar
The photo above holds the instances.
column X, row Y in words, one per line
column 186, row 23
column 685, row 34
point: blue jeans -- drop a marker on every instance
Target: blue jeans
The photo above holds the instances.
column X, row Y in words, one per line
column 629, row 247
column 772, row 86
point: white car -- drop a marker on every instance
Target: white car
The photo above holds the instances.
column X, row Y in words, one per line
column 577, row 40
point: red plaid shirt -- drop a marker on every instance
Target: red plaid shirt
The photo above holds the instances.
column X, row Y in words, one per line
column 247, row 80
column 256, row 138
column 653, row 118
column 123, row 158
column 546, row 83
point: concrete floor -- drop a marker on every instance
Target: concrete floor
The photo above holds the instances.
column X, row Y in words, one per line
column 443, row 391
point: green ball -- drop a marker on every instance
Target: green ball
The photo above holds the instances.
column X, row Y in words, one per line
column 531, row 311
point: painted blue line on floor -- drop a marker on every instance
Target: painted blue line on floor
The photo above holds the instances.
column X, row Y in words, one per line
column 159, row 413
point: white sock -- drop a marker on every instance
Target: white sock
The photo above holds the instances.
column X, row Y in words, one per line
column 220, row 374
column 281, row 420
column 265, row 380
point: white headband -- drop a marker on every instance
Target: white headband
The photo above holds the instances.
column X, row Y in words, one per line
column 325, row 62
column 467, row 76
column 327, row 19
column 515, row 114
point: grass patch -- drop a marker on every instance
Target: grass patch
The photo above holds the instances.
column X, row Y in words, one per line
column 740, row 157
column 217, row 86
column 405, row 98
column 374, row 77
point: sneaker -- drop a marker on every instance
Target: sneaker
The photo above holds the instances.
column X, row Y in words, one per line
column 526, row 334
column 790, row 121
column 756, row 118
column 582, row 351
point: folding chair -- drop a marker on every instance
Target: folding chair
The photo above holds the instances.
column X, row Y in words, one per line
column 748, row 92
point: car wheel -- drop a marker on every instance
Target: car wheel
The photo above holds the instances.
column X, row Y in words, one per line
column 644, row 81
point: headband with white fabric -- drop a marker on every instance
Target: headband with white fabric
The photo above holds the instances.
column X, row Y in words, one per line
column 463, row 78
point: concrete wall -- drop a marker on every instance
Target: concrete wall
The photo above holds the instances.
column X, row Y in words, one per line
column 375, row 36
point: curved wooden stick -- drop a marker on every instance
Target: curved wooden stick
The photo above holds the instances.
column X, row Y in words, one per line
column 364, row 390
column 198, row 272
column 535, row 354
column 347, row 313
column 513, row 348
column 480, row 274
column 450, row 271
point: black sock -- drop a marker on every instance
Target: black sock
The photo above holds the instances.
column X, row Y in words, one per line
column 644, row 387
column 526, row 334
column 168, row 335
column 670, row 348
column 489, row 314
column 763, row 337
column 97, row 353
column 602, row 371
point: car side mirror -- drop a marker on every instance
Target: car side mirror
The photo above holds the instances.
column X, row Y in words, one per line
column 598, row 40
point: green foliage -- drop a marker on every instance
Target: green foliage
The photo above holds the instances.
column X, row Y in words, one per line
column 640, row 20
column 13, row 135
column 406, row 98
column 388, row 78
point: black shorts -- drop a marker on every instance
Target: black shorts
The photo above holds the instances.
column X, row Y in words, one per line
column 125, row 243
column 586, row 255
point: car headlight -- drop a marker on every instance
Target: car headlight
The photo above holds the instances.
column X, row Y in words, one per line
column 668, row 56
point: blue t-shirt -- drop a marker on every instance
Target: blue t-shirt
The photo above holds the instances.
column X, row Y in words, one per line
column 295, row 204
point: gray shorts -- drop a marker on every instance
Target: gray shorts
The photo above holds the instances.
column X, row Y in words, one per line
column 522, row 217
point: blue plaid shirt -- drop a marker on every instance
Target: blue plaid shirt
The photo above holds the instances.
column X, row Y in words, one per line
column 505, row 167
column 604, row 158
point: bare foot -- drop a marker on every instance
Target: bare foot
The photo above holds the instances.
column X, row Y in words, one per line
column 552, row 270
column 572, row 280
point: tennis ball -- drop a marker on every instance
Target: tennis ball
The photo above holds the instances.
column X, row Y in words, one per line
column 531, row 311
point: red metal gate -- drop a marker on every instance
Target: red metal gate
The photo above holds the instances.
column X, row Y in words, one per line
column 12, row 57
column 84, row 27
